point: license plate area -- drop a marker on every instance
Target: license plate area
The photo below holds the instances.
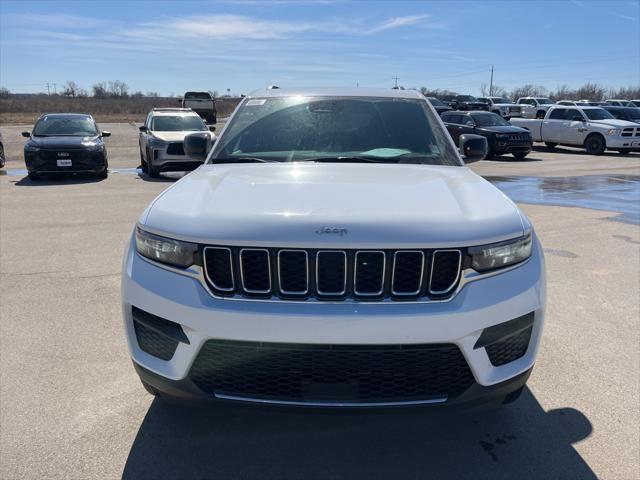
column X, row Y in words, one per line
column 64, row 162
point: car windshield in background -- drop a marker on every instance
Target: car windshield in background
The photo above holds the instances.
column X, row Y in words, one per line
column 178, row 123
column 197, row 96
column 287, row 129
column 489, row 120
column 597, row 114
column 467, row 98
column 633, row 113
column 544, row 100
column 65, row 126
column 499, row 100
column 436, row 102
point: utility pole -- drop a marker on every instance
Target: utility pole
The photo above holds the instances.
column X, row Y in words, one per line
column 396, row 79
column 55, row 92
column 491, row 83
column 48, row 91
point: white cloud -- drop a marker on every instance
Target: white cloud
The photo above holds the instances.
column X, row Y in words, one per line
column 398, row 22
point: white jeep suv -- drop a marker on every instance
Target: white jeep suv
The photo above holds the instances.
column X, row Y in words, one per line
column 161, row 140
column 334, row 251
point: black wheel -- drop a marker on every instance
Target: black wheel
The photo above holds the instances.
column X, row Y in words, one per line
column 595, row 144
column 34, row 177
column 489, row 156
column 513, row 396
column 540, row 114
column 149, row 388
column 2, row 159
column 152, row 171
column 551, row 145
column 520, row 155
column 143, row 164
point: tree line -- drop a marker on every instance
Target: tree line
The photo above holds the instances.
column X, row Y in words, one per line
column 588, row 91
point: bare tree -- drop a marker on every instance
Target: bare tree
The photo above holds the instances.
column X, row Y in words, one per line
column 529, row 90
column 118, row 89
column 100, row 90
column 591, row 91
column 4, row 92
column 70, row 89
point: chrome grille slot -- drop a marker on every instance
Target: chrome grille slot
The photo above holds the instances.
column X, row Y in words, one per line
column 293, row 272
column 255, row 270
column 445, row 271
column 219, row 268
column 331, row 272
column 368, row 276
column 408, row 270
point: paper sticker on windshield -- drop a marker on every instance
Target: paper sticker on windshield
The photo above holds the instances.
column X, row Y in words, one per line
column 256, row 101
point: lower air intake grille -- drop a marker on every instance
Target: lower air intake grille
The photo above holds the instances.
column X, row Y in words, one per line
column 175, row 148
column 154, row 343
column 345, row 373
column 510, row 348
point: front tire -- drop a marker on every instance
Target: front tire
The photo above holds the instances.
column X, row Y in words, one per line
column 513, row 396
column 595, row 144
column 34, row 177
column 519, row 155
column 104, row 173
column 551, row 145
column 2, row 158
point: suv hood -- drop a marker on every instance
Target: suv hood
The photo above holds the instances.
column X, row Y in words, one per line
column 63, row 141
column 172, row 136
column 381, row 206
column 504, row 129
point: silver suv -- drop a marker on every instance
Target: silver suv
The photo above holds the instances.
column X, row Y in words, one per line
column 162, row 137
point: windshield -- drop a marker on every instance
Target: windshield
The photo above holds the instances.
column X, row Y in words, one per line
column 633, row 113
column 466, row 98
column 287, row 129
column 65, row 126
column 544, row 100
column 178, row 123
column 197, row 96
column 500, row 100
column 436, row 102
column 597, row 114
column 489, row 120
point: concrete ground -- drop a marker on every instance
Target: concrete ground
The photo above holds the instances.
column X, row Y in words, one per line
column 72, row 407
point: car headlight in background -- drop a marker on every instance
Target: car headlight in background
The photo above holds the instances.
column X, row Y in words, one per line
column 31, row 148
column 614, row 132
column 156, row 142
column 500, row 255
column 165, row 250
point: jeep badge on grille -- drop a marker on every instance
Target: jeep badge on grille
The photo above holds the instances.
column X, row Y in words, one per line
column 332, row 230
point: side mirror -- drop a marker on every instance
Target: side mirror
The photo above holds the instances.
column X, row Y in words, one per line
column 469, row 123
column 26, row 134
column 105, row 134
column 195, row 146
column 212, row 128
column 143, row 129
column 473, row 148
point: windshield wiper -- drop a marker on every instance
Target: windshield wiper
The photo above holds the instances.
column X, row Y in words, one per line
column 240, row 160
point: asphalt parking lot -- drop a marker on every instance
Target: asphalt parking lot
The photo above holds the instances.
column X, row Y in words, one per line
column 71, row 405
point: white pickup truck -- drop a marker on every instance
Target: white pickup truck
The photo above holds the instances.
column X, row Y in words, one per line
column 593, row 128
column 534, row 107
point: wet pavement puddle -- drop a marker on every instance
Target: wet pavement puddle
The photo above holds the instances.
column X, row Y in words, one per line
column 614, row 193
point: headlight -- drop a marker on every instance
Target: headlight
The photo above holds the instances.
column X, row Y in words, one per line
column 165, row 250
column 614, row 132
column 156, row 142
column 500, row 255
column 93, row 146
column 31, row 148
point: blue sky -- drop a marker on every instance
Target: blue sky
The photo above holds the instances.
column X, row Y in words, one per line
column 171, row 46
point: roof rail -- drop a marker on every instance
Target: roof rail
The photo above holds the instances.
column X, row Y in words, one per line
column 171, row 109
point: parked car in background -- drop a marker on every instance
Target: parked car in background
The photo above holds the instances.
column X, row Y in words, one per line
column 588, row 103
column 500, row 134
column 592, row 128
column 202, row 103
column 464, row 102
column 631, row 114
column 569, row 103
column 534, row 107
column 2, row 158
column 439, row 106
column 618, row 103
column 161, row 140
column 502, row 106
column 335, row 251
column 65, row 143
column 636, row 103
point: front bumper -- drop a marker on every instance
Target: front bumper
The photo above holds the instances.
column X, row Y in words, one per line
column 46, row 161
column 623, row 142
column 511, row 147
column 170, row 157
column 480, row 304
